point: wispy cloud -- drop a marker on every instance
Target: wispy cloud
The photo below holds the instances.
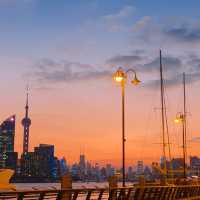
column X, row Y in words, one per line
column 141, row 23
column 173, row 68
column 144, row 64
column 124, row 59
column 126, row 11
column 147, row 35
column 171, row 64
column 174, row 80
column 115, row 22
column 184, row 33
column 48, row 71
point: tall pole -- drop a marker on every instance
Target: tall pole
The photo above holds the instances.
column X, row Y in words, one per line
column 123, row 133
column 184, row 128
column 120, row 76
column 163, row 115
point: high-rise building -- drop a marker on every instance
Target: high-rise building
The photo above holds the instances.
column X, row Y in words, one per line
column 82, row 167
column 140, row 168
column 40, row 163
column 195, row 165
column 63, row 166
column 8, row 158
column 130, row 173
column 110, row 171
column 45, row 152
column 26, row 122
column 177, row 164
column 82, row 162
column 29, row 166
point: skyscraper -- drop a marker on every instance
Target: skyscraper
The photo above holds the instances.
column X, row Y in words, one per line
column 82, row 167
column 140, row 167
column 39, row 164
column 26, row 122
column 8, row 157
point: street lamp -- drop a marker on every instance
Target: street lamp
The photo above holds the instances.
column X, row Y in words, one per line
column 120, row 76
column 180, row 118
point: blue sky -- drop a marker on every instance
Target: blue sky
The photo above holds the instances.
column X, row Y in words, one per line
column 99, row 34
column 33, row 27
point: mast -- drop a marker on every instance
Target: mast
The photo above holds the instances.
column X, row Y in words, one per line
column 184, row 128
column 163, row 116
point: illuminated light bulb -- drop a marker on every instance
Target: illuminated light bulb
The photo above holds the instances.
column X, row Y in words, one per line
column 119, row 76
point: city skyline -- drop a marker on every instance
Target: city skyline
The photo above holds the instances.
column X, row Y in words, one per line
column 67, row 52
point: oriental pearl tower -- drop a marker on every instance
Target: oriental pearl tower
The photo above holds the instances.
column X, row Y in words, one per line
column 26, row 122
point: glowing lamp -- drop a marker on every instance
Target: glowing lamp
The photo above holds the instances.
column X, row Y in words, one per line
column 119, row 76
column 179, row 118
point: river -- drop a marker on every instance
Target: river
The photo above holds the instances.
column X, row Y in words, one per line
column 41, row 186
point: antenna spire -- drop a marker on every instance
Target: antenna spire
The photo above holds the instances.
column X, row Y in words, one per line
column 26, row 122
column 27, row 95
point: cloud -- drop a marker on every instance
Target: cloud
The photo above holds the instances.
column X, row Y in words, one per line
column 124, row 59
column 173, row 67
column 184, row 33
column 174, row 80
column 142, row 23
column 126, row 11
column 116, row 21
column 147, row 36
column 171, row 64
column 48, row 71
column 142, row 63
column 52, row 72
column 180, row 38
column 175, row 34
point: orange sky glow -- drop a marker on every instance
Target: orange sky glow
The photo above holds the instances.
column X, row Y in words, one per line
column 89, row 122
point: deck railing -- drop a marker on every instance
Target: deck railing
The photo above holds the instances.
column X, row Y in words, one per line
column 127, row 193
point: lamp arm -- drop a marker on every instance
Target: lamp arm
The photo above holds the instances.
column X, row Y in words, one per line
column 131, row 70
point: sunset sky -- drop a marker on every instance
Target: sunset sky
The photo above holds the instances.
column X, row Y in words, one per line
column 67, row 50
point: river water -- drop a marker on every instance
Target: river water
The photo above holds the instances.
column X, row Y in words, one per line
column 78, row 185
column 41, row 186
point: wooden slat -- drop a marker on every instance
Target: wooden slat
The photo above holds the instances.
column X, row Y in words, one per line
column 101, row 194
column 75, row 195
column 89, row 193
column 59, row 195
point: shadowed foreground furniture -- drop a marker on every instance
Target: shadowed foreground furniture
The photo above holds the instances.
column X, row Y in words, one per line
column 135, row 193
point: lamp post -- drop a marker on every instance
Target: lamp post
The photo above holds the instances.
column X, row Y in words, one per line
column 180, row 118
column 120, row 76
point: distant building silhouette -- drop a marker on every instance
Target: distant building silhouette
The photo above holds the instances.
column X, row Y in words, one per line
column 39, row 164
column 140, row 168
column 195, row 165
column 82, row 167
column 8, row 158
column 26, row 122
